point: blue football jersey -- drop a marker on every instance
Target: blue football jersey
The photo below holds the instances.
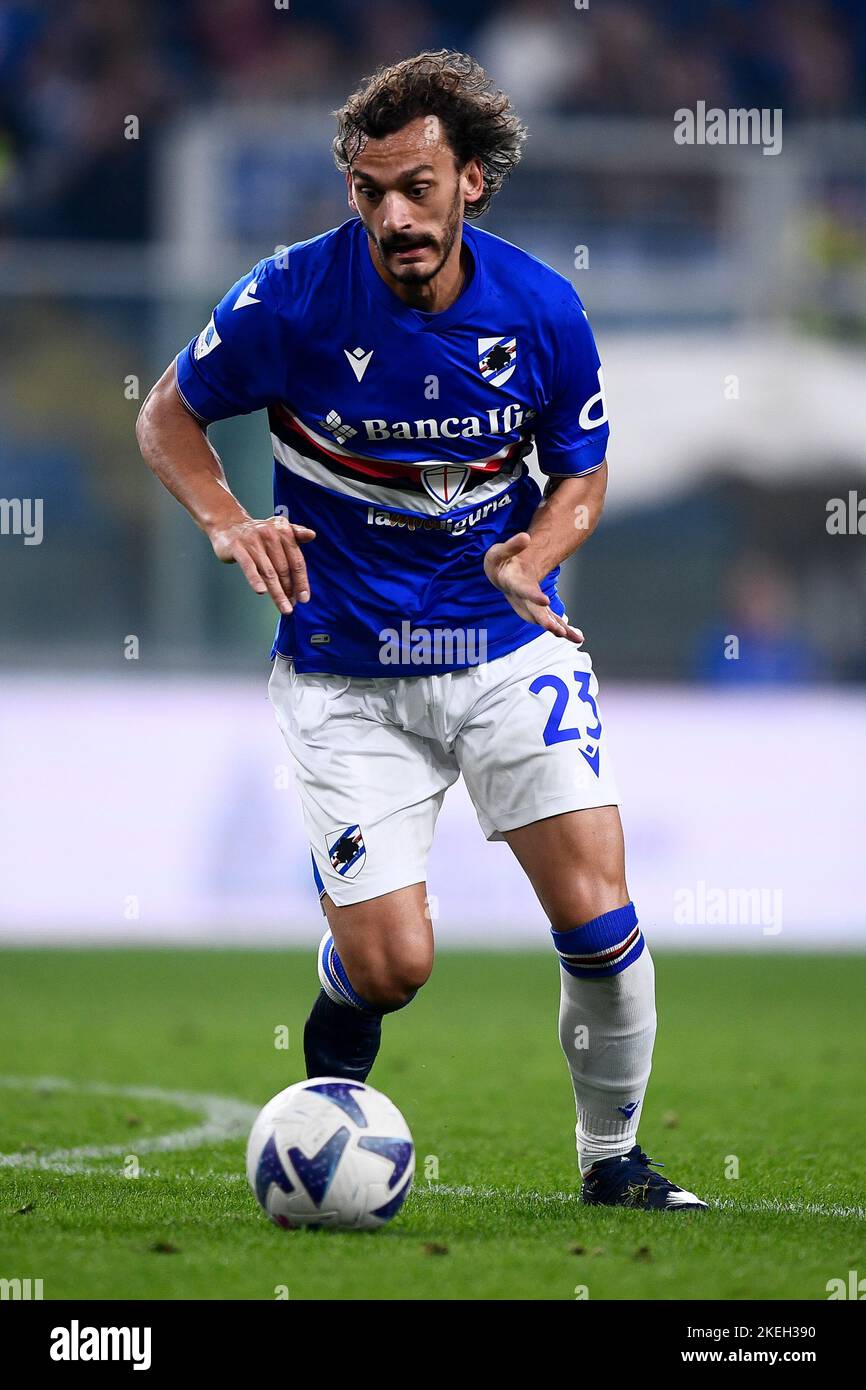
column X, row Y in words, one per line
column 400, row 437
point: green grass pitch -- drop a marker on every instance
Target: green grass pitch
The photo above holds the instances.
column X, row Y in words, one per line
column 759, row 1062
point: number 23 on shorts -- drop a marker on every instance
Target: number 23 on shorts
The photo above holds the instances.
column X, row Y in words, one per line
column 554, row 731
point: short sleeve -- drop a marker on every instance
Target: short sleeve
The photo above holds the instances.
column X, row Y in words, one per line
column 572, row 432
column 236, row 364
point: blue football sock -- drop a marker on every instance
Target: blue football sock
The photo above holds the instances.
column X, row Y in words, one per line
column 341, row 1041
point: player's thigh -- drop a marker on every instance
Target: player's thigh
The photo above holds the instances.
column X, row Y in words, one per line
column 575, row 862
column 384, row 943
column 370, row 791
column 533, row 743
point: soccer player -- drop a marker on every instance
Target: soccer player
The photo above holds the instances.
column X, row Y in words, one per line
column 408, row 362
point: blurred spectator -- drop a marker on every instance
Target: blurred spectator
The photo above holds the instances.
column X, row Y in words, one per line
column 70, row 75
column 536, row 49
column 759, row 641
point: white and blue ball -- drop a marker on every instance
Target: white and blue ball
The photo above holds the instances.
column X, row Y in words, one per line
column 330, row 1152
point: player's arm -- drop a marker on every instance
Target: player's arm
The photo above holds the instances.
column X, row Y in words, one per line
column 176, row 448
column 566, row 518
column 236, row 365
column 571, row 439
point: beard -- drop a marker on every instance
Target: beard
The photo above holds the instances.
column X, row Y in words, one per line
column 442, row 245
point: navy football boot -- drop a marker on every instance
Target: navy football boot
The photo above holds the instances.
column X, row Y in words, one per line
column 629, row 1181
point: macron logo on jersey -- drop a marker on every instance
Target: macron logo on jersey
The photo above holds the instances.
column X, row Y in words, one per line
column 358, row 360
column 246, row 296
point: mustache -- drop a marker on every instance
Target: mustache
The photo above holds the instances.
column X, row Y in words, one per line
column 402, row 244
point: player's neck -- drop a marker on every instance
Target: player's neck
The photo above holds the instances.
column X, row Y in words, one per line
column 435, row 295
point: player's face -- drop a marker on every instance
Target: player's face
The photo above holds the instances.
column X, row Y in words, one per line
column 410, row 195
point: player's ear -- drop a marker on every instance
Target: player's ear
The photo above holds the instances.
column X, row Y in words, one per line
column 472, row 180
column 351, row 193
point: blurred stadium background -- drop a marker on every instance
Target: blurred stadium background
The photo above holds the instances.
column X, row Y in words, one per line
column 149, row 154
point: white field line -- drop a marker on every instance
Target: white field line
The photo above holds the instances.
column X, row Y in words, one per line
column 219, row 1118
column 224, row 1118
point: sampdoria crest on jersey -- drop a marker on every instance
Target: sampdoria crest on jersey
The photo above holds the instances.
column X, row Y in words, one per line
column 347, row 851
column 497, row 358
column 445, row 481
column 206, row 341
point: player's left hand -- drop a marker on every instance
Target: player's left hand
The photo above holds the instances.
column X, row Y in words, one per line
column 508, row 567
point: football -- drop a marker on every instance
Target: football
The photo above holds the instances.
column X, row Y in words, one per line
column 330, row 1152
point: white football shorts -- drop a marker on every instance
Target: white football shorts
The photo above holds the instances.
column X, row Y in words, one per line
column 374, row 757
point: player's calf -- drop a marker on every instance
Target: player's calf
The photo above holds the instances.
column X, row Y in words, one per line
column 607, row 1024
column 607, row 1027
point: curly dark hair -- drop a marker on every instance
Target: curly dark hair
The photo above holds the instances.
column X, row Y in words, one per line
column 478, row 119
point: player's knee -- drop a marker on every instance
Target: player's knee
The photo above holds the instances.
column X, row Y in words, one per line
column 605, row 890
column 592, row 891
column 389, row 986
column 386, row 996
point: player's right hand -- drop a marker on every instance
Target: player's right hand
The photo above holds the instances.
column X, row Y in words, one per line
column 269, row 553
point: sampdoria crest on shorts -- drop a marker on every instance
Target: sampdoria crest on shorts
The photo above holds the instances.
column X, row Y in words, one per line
column 497, row 358
column 347, row 851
